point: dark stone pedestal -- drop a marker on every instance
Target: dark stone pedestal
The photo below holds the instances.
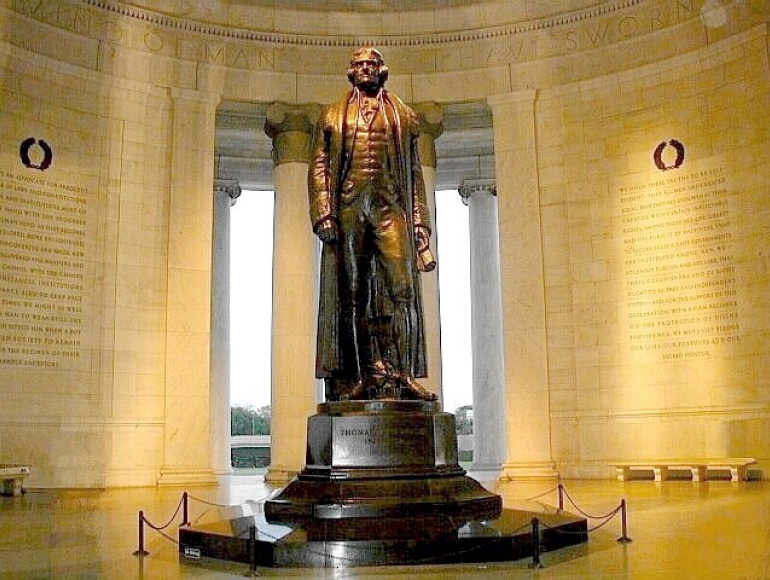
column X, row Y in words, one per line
column 381, row 459
column 382, row 485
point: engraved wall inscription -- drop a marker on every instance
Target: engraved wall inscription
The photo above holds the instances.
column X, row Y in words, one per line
column 258, row 49
column 46, row 235
column 678, row 267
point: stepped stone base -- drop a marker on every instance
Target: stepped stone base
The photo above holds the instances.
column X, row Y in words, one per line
column 382, row 485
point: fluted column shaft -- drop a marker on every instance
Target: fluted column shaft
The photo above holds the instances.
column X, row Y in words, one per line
column 225, row 194
column 486, row 325
column 295, row 283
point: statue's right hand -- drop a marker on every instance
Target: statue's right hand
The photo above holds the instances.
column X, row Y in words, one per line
column 327, row 230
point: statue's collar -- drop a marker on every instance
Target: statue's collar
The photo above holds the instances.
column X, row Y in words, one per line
column 353, row 95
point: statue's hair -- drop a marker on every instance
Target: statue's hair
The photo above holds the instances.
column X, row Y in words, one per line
column 378, row 57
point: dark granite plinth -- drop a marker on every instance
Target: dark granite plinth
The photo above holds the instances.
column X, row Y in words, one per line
column 382, row 485
column 374, row 542
column 381, row 459
column 458, row 497
column 385, row 439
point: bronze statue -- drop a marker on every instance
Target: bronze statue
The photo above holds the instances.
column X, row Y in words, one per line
column 368, row 207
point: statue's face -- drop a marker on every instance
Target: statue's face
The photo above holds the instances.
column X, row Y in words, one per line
column 365, row 71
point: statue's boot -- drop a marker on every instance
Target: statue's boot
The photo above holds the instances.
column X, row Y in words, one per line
column 407, row 383
column 417, row 390
column 357, row 394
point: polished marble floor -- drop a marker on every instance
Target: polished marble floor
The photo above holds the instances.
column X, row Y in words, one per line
column 680, row 529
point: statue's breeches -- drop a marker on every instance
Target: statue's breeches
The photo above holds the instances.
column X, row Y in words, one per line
column 375, row 232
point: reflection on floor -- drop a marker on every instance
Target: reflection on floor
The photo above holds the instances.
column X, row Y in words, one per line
column 680, row 529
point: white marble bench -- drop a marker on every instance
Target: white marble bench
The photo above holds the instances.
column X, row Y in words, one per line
column 12, row 478
column 699, row 468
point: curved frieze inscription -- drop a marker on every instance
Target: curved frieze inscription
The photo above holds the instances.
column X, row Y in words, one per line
column 178, row 37
column 45, row 233
column 678, row 264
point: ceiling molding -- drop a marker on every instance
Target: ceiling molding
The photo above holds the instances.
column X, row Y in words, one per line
column 348, row 41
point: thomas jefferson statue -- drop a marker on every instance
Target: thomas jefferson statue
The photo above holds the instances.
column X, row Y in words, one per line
column 368, row 207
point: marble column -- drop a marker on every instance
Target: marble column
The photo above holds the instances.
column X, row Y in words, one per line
column 187, row 451
column 225, row 194
column 431, row 127
column 527, row 404
column 295, row 282
column 486, row 325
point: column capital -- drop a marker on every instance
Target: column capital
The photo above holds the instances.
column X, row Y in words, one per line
column 290, row 127
column 431, row 117
column 229, row 186
column 470, row 186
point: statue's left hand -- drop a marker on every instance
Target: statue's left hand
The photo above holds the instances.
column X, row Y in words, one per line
column 421, row 238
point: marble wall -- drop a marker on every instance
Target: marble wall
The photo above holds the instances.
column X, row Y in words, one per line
column 106, row 165
column 84, row 251
column 656, row 268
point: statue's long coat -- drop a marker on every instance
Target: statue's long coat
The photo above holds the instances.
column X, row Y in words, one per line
column 329, row 157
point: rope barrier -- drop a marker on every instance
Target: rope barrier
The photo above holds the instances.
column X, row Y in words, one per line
column 604, row 523
column 590, row 517
column 542, row 494
column 224, row 506
column 183, row 503
column 535, row 523
column 211, row 503
column 168, row 523
column 582, row 533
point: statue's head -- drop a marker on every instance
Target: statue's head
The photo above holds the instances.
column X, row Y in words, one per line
column 367, row 69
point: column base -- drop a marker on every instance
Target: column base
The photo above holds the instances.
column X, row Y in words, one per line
column 528, row 470
column 280, row 475
column 172, row 477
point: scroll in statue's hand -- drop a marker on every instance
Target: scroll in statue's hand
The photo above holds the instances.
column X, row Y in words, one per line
column 421, row 238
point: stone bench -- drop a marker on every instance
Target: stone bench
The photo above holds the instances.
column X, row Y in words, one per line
column 12, row 478
column 699, row 468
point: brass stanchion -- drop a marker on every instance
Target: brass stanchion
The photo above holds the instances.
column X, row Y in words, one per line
column 185, row 510
column 252, row 553
column 536, row 544
column 624, row 523
column 141, row 551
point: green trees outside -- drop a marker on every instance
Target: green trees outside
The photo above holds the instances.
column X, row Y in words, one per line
column 246, row 420
column 464, row 420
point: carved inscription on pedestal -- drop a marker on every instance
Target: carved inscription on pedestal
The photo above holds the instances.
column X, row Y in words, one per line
column 678, row 264
column 371, row 442
column 46, row 236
